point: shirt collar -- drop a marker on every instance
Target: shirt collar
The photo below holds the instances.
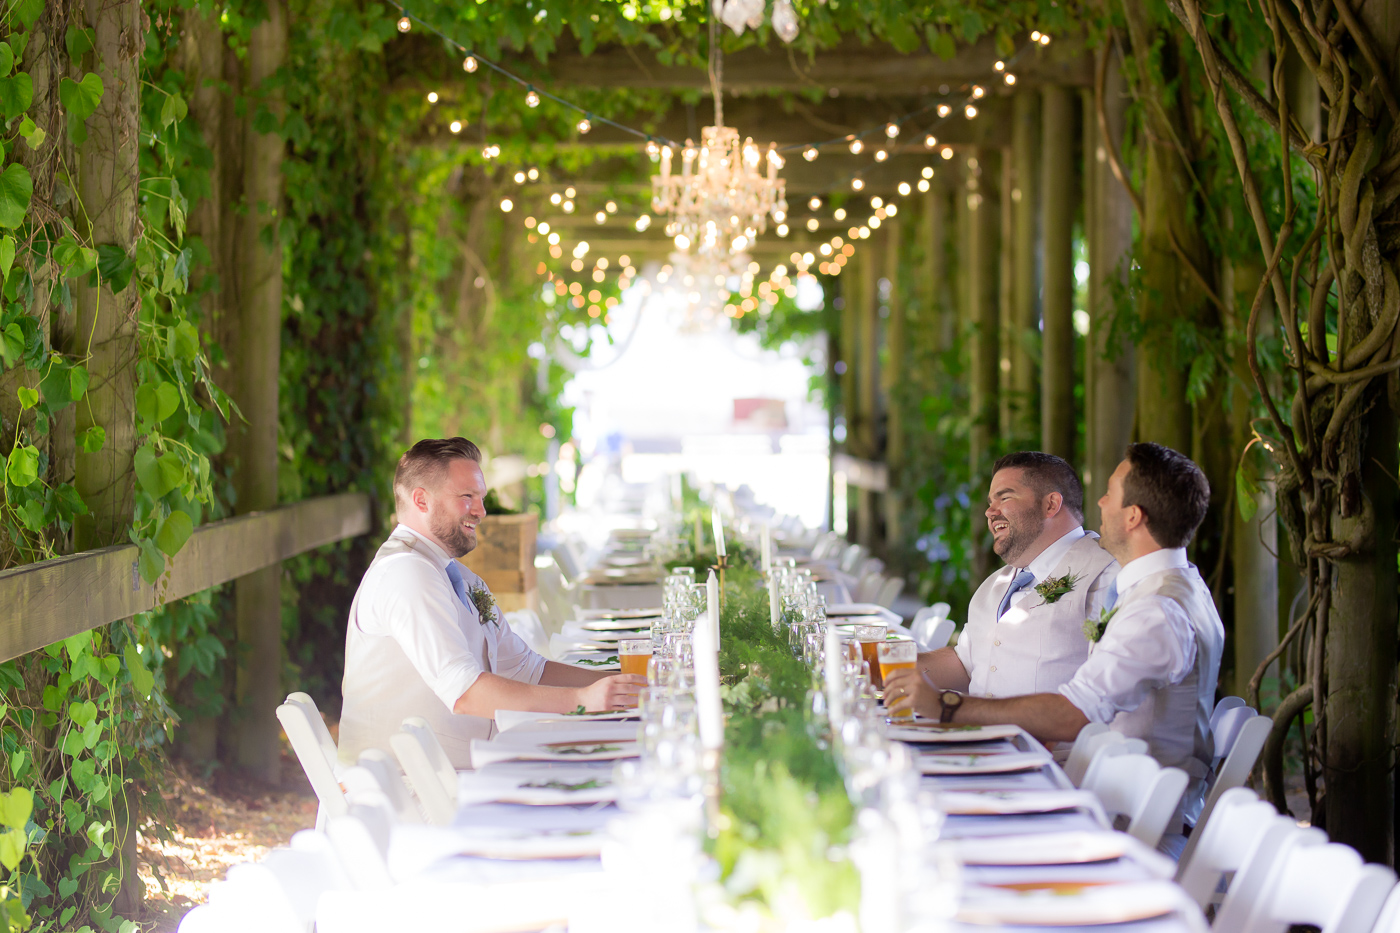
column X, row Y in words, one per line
column 423, row 545
column 1048, row 559
column 1135, row 571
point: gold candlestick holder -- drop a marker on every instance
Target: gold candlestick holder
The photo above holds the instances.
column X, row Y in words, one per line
column 721, row 563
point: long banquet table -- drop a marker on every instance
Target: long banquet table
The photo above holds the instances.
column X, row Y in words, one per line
column 522, row 855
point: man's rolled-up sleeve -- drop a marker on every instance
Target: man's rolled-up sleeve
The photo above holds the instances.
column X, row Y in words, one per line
column 421, row 614
column 1148, row 644
column 515, row 659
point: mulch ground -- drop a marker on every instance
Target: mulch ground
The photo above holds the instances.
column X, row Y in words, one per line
column 210, row 824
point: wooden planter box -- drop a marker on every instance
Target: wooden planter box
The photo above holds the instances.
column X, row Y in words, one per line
column 505, row 559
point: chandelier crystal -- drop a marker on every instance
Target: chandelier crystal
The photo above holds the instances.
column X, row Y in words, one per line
column 723, row 195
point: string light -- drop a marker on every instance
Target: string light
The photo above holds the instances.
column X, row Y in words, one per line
column 904, row 188
column 532, row 98
column 839, row 214
column 947, row 152
column 813, row 224
column 857, row 183
column 455, row 126
column 877, row 202
column 930, row 141
column 642, row 223
column 782, row 229
column 570, row 193
column 810, row 153
column 490, row 152
column 1035, row 36
column 970, row 111
column 405, row 24
column 881, row 155
column 533, row 174
column 856, row 146
column 653, row 149
column 944, row 110
column 923, row 184
column 556, row 199
column 600, row 217
column 1044, row 39
column 432, row 97
column 507, row 205
column 520, row 178
column 978, row 92
column 1010, row 79
column 469, row 64
column 610, row 207
column 891, row 209
column 1000, row 65
column 927, row 172
column 585, row 125
column 891, row 130
column 815, row 203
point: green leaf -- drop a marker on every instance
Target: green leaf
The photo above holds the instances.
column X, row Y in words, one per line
column 7, row 255
column 149, row 469
column 16, row 188
column 173, row 109
column 16, row 94
column 80, row 99
column 91, row 440
column 7, row 58
column 141, row 679
column 184, row 341
column 13, row 845
column 72, row 745
column 67, row 887
column 11, row 344
column 36, row 135
column 57, row 386
column 1246, row 494
column 28, row 397
column 114, row 266
column 174, row 532
column 152, row 563
column 32, row 514
column 941, row 44
column 972, row 25
column 82, row 713
column 75, row 258
column 28, row 11
column 77, row 645
column 78, row 40
column 23, row 465
column 157, row 402
column 16, row 807
column 77, row 382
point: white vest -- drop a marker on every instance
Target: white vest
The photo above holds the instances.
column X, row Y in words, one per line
column 1175, row 720
column 1036, row 646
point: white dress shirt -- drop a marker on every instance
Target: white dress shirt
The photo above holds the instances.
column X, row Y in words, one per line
column 412, row 648
column 1036, row 646
column 1153, row 673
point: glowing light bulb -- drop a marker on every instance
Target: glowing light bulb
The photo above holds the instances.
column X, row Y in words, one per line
column 652, row 148
column 839, row 214
column 930, row 141
column 978, row 92
column 891, row 130
column 809, row 153
column 610, row 207
column 782, row 230
column 891, row 209
column 813, row 224
column 877, row 202
column 923, row 184
column 600, row 217
column 857, row 183
column 469, row 64
column 970, row 111
column 507, row 205
column 1000, row 66
column 1035, row 36
column 944, row 110
column 856, row 146
column 1009, row 78
column 947, row 152
column 927, row 172
column 682, row 242
column 642, row 223
column 584, row 125
column 520, row 178
column 532, row 98
column 881, row 155
column 533, row 174
column 455, row 126
column 556, row 199
column 405, row 24
column 1044, row 39
column 904, row 189
column 432, row 97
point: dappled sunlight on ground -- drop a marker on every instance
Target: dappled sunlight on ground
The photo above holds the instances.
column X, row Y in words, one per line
column 213, row 824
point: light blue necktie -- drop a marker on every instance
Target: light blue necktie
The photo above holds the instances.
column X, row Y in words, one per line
column 1112, row 596
column 459, row 584
column 1022, row 580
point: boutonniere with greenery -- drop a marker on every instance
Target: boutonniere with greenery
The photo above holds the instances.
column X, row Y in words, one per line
column 485, row 604
column 1052, row 588
column 1094, row 628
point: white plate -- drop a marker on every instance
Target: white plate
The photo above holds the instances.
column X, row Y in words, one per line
column 978, row 763
column 510, row 718
column 932, row 732
column 485, row 753
column 1007, row 803
column 587, row 614
column 863, row 614
column 618, row 625
column 1068, row 903
column 1066, row 848
column 553, row 844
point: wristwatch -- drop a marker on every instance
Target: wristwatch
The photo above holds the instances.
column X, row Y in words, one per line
column 950, row 701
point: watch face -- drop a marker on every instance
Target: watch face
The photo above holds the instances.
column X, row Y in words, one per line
column 952, row 698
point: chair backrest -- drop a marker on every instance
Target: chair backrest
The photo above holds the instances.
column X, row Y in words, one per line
column 1241, row 828
column 851, row 558
column 889, row 592
column 932, row 633
column 1135, row 786
column 423, row 761
column 568, row 562
column 378, row 773
column 870, row 565
column 1387, row 922
column 869, row 587
column 526, row 624
column 1325, row 885
column 1081, row 757
column 361, row 841
column 314, row 749
column 1224, row 706
column 827, row 545
column 1242, row 735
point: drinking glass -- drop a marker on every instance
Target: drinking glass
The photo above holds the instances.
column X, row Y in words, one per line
column 870, row 637
column 894, row 655
column 661, row 671
column 634, row 653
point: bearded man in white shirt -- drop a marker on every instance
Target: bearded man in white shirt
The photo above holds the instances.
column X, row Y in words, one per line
column 1152, row 671
column 1025, row 623
column 425, row 637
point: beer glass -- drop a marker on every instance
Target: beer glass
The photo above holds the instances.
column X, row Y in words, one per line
column 870, row 637
column 634, row 653
column 895, row 655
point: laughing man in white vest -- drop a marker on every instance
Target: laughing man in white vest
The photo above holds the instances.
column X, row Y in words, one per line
column 1156, row 647
column 1025, row 624
column 425, row 637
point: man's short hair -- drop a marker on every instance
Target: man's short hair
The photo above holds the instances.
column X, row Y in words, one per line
column 426, row 461
column 1047, row 473
column 1170, row 489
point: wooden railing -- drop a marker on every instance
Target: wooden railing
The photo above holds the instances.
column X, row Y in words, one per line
column 49, row 601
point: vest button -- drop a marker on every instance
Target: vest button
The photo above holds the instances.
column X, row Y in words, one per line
column 997, row 642
column 994, row 667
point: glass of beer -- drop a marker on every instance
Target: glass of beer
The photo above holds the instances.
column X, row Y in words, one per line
column 870, row 638
column 894, row 655
column 634, row 653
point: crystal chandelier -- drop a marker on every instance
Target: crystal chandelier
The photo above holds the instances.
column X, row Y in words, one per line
column 721, row 199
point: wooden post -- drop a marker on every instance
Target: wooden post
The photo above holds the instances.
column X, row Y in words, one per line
column 1025, row 285
column 259, row 266
column 1109, row 366
column 933, row 235
column 982, row 272
column 1009, row 404
column 1057, row 430
column 867, row 371
column 892, row 379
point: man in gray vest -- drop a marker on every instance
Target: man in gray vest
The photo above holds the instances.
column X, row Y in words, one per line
column 1155, row 652
column 1024, row 631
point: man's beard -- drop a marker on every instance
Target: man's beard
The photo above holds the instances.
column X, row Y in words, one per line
column 1020, row 534
column 459, row 541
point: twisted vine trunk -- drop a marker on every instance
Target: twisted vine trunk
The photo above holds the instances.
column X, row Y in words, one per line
column 1338, row 299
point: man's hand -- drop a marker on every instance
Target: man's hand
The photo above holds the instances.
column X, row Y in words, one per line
column 618, row 691
column 907, row 687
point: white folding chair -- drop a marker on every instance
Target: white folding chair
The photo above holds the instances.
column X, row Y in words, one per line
column 433, row 778
column 377, row 773
column 889, row 592
column 1090, row 742
column 568, row 562
column 1224, row 706
column 827, row 545
column 1242, row 831
column 361, row 841
column 851, row 558
column 1239, row 736
column 1138, row 789
column 868, row 587
column 1387, row 922
column 931, row 627
column 556, row 600
column 868, row 566
column 278, row 894
column 1326, row 885
column 316, row 751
